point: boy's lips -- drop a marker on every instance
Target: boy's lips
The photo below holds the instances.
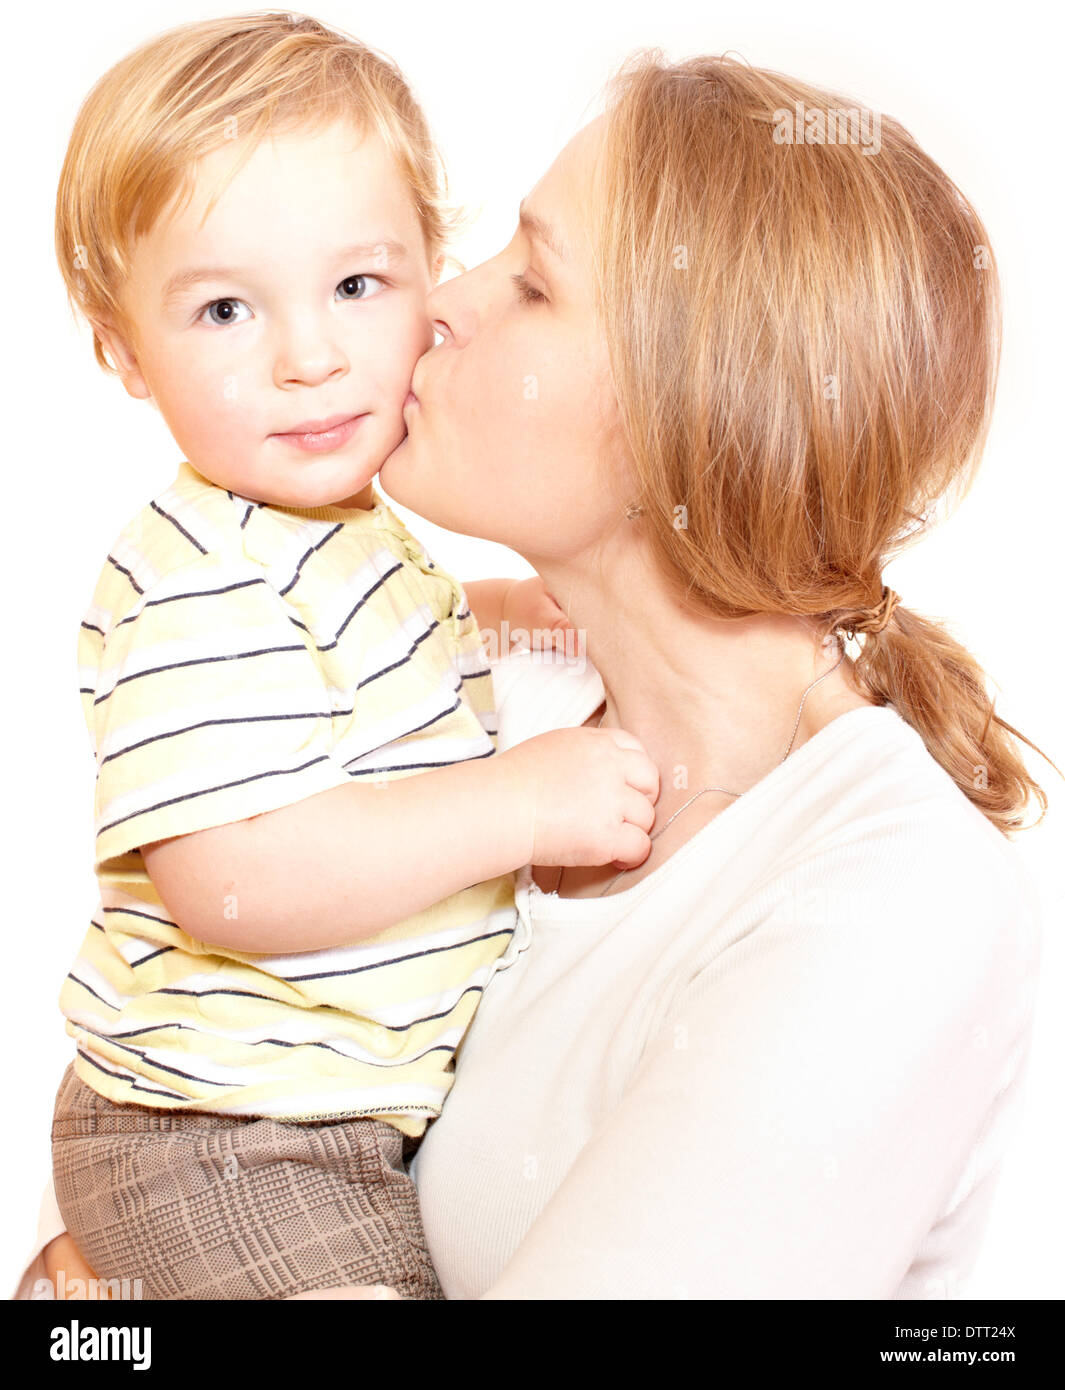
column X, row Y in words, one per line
column 320, row 436
column 318, row 426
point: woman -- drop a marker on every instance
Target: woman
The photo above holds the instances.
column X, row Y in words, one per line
column 712, row 385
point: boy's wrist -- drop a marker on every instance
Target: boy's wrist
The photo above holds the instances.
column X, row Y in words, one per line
column 512, row 821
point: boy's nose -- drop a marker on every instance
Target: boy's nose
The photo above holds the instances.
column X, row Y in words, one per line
column 309, row 365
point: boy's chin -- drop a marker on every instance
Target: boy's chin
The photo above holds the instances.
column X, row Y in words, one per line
column 340, row 490
column 393, row 471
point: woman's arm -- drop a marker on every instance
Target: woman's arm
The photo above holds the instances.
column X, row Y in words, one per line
column 524, row 605
column 65, row 1265
column 486, row 598
column 57, row 1268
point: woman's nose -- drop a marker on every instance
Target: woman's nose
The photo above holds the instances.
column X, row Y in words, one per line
column 451, row 309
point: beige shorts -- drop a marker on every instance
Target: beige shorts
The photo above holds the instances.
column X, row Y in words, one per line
column 199, row 1205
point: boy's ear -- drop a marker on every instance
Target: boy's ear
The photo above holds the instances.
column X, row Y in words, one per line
column 118, row 348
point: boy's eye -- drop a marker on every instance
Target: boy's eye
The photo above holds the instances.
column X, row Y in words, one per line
column 527, row 294
column 225, row 311
column 225, row 308
column 359, row 287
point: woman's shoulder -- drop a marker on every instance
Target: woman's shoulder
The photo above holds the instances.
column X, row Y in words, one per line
column 899, row 873
column 879, row 801
column 862, row 841
column 896, row 782
column 537, row 691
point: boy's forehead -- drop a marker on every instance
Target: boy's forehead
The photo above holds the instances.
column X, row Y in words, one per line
column 310, row 183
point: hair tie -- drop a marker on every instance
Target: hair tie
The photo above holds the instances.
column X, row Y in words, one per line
column 877, row 619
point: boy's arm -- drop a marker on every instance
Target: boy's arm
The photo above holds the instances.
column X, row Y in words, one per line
column 345, row 863
column 351, row 861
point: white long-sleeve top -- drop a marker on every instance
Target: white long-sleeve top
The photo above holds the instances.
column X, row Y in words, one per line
column 785, row 1064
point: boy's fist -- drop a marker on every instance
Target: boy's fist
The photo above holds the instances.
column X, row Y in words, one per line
column 583, row 797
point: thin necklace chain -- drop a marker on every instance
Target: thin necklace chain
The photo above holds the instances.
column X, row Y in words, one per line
column 673, row 817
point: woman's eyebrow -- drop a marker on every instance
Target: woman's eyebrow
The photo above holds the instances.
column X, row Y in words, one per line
column 536, row 227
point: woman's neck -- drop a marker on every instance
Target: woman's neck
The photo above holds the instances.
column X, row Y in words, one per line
column 717, row 696
column 714, row 702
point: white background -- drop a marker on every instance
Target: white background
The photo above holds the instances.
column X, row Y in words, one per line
column 504, row 87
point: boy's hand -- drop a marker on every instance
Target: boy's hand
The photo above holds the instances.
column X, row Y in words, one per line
column 528, row 608
column 590, row 796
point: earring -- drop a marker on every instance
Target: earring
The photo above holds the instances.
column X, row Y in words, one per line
column 632, row 512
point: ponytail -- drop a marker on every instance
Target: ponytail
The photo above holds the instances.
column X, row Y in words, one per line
column 938, row 687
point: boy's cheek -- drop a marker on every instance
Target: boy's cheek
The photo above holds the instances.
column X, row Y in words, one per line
column 224, row 394
column 416, row 326
column 408, row 345
column 213, row 418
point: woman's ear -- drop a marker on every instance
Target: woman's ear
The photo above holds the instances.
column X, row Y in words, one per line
column 438, row 267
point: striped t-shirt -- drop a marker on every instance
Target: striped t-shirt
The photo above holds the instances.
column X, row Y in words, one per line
column 238, row 657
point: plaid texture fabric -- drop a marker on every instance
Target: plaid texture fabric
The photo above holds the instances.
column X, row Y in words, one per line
column 206, row 1206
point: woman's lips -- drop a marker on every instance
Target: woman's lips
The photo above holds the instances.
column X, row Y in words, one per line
column 321, row 441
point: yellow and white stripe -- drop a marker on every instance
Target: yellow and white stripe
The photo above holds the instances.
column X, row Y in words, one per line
column 237, row 657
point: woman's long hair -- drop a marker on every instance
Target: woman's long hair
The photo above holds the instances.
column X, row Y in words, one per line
column 804, row 323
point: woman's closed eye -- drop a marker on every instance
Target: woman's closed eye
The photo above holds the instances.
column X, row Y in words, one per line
column 527, row 294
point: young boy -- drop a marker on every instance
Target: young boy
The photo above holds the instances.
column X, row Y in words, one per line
column 305, row 837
